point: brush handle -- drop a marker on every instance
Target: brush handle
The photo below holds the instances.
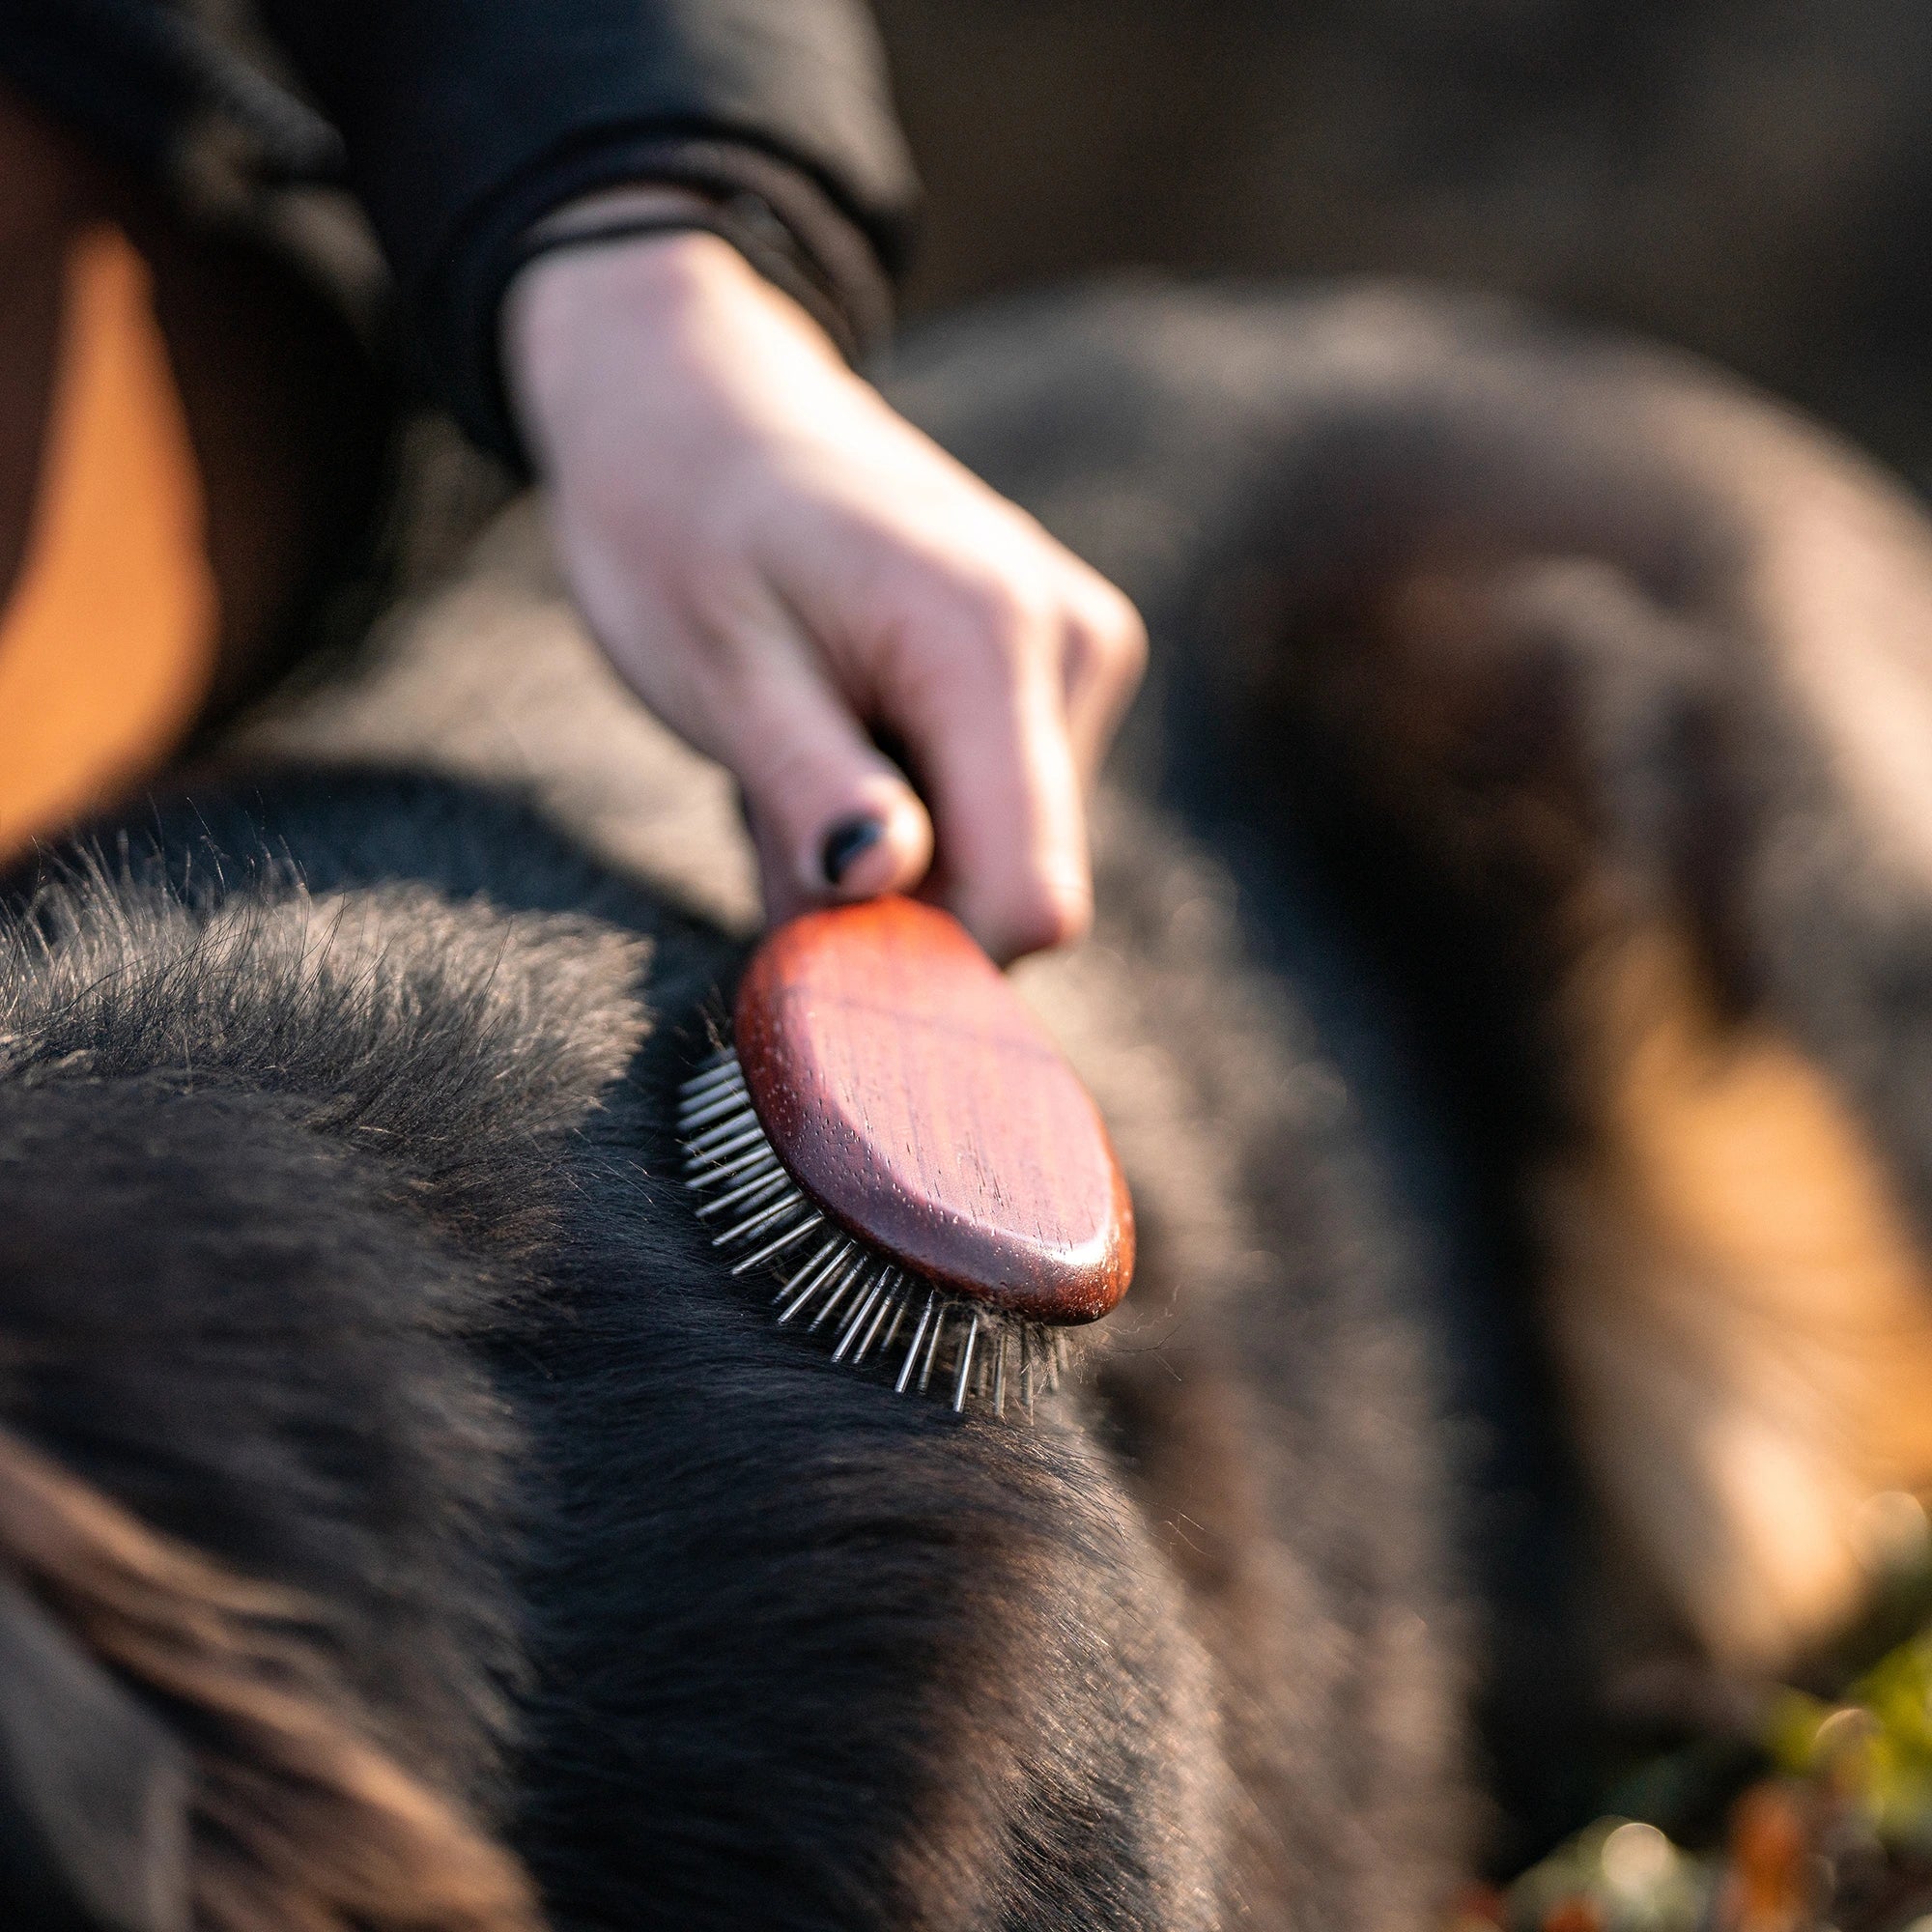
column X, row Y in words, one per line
column 908, row 1090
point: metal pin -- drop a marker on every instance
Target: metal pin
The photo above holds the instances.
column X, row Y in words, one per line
column 872, row 1328
column 893, row 1278
column 734, row 1101
column 932, row 1350
column 738, row 1172
column 730, row 1113
column 1025, row 1369
column 779, row 1246
column 859, row 1313
column 699, row 1159
column 707, row 1144
column 702, row 1092
column 761, row 1155
column 712, row 1099
column 759, row 1214
column 742, row 1151
column 917, row 1336
column 788, row 1204
column 965, row 1363
column 702, row 1087
column 819, row 1277
column 749, row 1174
column 899, row 1319
column 806, row 1267
column 855, row 1274
column 1000, row 1376
column 760, row 1180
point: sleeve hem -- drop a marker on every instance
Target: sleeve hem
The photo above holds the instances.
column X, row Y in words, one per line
column 784, row 223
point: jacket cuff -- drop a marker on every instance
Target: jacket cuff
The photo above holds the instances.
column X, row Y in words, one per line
column 776, row 214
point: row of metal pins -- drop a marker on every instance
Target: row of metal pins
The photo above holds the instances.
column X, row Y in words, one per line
column 700, row 1094
column 709, row 1095
column 851, row 1280
column 740, row 1130
column 774, row 1248
column 873, row 1306
column 755, row 1189
column 725, row 1143
column 697, row 1107
column 780, row 1213
column 814, row 1275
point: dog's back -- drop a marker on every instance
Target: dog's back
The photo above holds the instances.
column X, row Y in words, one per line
column 346, row 1267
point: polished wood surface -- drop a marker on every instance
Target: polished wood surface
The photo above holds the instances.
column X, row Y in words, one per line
column 914, row 1097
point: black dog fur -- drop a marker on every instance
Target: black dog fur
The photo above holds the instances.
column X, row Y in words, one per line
column 341, row 1245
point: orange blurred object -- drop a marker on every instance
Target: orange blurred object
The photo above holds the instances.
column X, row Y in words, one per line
column 1574, row 1914
column 1771, row 1874
column 107, row 644
column 1478, row 1908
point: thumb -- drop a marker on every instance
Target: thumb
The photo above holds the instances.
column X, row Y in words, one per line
column 833, row 818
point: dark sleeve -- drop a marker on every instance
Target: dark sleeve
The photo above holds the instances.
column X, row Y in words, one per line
column 465, row 121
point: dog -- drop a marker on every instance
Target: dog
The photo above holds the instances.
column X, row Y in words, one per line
column 1505, row 997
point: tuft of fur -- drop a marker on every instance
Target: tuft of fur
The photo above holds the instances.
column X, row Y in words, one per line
column 460, row 1043
column 295, row 1817
column 272, row 1170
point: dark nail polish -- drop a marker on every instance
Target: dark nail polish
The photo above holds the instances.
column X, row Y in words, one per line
column 847, row 842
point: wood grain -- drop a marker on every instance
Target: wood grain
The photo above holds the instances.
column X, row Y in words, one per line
column 912, row 1094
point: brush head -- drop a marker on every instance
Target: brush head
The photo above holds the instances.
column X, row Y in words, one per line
column 919, row 1105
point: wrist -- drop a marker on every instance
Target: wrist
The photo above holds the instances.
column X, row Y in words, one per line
column 644, row 328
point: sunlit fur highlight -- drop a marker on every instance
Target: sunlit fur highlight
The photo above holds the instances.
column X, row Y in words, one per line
column 296, row 1820
column 1740, row 1305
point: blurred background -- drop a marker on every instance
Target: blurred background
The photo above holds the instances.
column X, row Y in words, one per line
column 1752, row 179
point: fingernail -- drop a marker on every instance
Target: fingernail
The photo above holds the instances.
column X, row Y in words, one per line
column 847, row 842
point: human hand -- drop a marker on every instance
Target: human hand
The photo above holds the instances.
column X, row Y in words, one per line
column 780, row 565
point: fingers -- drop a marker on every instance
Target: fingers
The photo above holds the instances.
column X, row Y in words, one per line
column 1004, row 701
column 1103, row 658
column 1007, row 701
column 833, row 819
column 1013, row 826
column 1003, row 669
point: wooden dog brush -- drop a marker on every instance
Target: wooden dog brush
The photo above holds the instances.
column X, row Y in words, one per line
column 894, row 1135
